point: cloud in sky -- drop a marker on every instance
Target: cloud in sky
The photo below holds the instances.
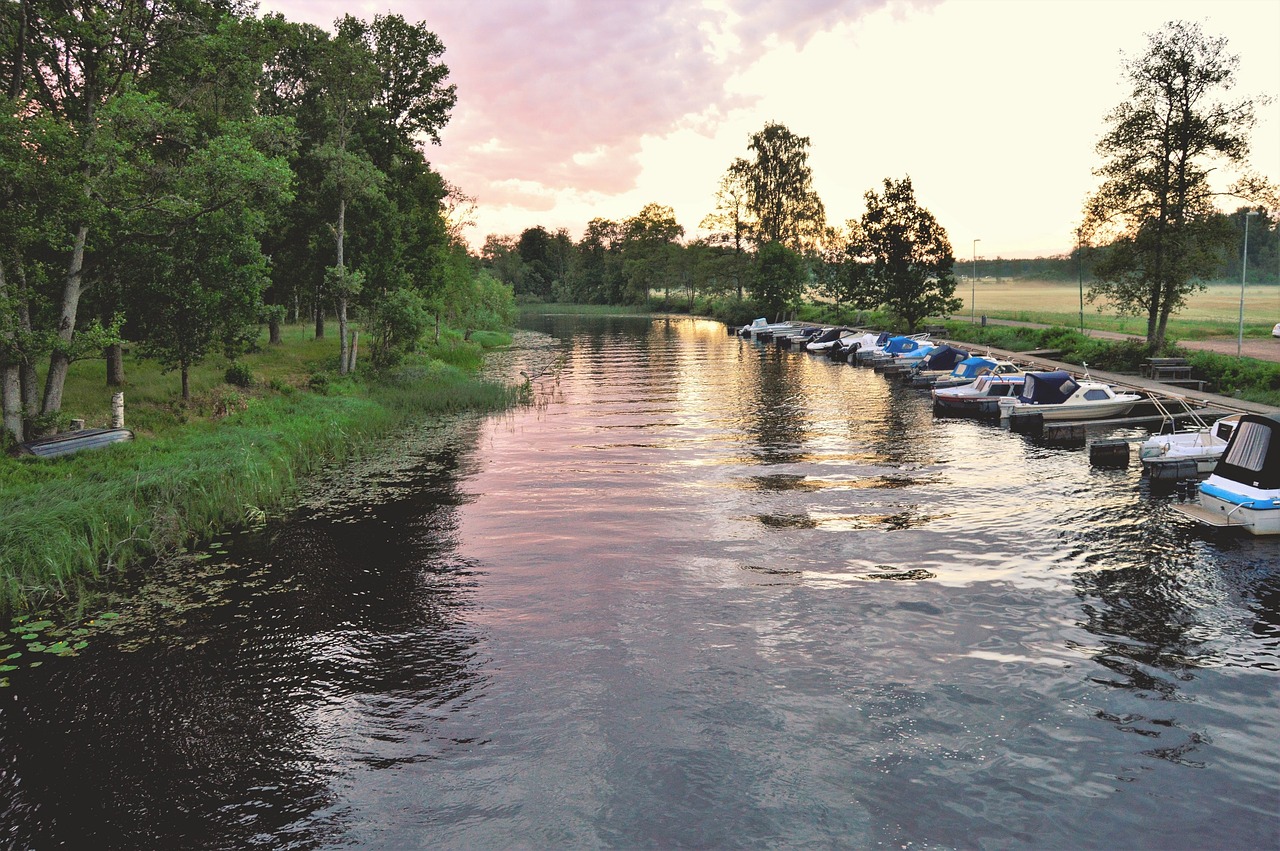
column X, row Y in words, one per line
column 574, row 109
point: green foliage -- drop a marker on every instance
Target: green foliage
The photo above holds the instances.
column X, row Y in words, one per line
column 778, row 279
column 1257, row 381
column 320, row 382
column 1156, row 205
column 239, row 375
column 72, row 520
column 905, row 254
column 397, row 322
column 780, row 196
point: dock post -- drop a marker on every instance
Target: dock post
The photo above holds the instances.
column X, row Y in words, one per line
column 117, row 410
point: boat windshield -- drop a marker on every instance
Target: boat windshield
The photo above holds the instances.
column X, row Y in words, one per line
column 1249, row 450
column 1253, row 455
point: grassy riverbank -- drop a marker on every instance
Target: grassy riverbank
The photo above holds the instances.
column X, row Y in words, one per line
column 231, row 455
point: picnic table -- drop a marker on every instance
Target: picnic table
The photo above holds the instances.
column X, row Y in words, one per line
column 1162, row 369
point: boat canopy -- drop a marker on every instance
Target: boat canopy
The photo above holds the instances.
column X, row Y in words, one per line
column 1048, row 388
column 830, row 334
column 943, row 357
column 903, row 345
column 884, row 338
column 1252, row 456
column 974, row 367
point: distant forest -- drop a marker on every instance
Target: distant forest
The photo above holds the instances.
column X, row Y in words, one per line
column 622, row 262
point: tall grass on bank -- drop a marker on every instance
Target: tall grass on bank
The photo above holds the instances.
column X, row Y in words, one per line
column 69, row 520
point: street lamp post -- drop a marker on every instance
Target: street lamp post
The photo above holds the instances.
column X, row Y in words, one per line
column 1080, row 273
column 1244, row 267
column 973, row 283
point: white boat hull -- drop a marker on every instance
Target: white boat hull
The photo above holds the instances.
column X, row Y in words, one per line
column 1081, row 411
column 1212, row 511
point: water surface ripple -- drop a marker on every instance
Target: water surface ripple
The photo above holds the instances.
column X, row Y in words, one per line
column 701, row 593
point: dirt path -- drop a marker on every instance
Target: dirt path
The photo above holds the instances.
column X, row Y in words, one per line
column 1267, row 348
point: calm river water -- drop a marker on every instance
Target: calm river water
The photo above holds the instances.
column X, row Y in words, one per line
column 703, row 593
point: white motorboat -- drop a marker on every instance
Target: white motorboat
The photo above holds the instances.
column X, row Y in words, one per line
column 1186, row 452
column 830, row 337
column 901, row 351
column 980, row 397
column 1057, row 395
column 847, row 347
column 1243, row 491
column 763, row 329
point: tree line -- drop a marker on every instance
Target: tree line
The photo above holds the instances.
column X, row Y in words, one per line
column 177, row 173
column 1150, row 234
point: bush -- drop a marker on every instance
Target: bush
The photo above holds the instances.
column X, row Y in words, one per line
column 238, row 375
column 319, row 383
column 398, row 321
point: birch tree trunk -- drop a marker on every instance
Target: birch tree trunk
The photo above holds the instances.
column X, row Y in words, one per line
column 59, row 362
column 342, row 294
column 115, row 365
column 10, row 387
column 27, row 378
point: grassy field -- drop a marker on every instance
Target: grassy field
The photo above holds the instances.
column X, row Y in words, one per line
column 1212, row 313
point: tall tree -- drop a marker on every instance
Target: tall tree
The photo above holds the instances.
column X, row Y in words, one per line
column 70, row 60
column 780, row 193
column 907, row 255
column 597, row 269
column 731, row 222
column 649, row 239
column 1156, row 202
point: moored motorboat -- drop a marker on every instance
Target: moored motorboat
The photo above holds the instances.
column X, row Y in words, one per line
column 1243, row 491
column 887, row 346
column 902, row 350
column 846, row 348
column 763, row 329
column 942, row 360
column 980, row 397
column 971, row 369
column 1186, row 452
column 1057, row 395
column 829, row 337
column 798, row 336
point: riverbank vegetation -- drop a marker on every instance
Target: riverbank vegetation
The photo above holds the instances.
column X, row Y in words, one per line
column 228, row 457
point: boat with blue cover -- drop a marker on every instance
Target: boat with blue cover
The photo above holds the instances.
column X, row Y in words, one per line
column 1243, row 491
column 940, row 361
column 901, row 351
column 971, row 369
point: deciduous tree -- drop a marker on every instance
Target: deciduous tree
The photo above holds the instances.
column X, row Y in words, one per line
column 1156, row 204
column 907, row 255
column 780, row 194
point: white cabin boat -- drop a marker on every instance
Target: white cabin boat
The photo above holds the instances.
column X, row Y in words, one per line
column 980, row 397
column 1243, row 491
column 1057, row 395
column 1186, row 452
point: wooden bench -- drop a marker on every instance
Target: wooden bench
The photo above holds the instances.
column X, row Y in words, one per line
column 935, row 330
column 1165, row 369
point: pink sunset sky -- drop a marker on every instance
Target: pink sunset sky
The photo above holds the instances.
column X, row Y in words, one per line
column 570, row 110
